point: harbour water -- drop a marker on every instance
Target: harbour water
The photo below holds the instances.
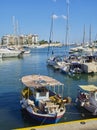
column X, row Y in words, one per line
column 11, row 71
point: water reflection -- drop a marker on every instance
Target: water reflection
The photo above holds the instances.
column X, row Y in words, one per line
column 12, row 69
column 3, row 60
column 28, row 121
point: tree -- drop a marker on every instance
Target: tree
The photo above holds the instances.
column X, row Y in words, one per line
column 43, row 42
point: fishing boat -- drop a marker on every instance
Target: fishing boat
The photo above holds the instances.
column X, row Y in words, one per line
column 88, row 98
column 39, row 101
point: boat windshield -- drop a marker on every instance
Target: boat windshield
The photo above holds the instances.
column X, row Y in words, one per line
column 96, row 96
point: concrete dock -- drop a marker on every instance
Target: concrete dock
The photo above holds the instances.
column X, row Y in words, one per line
column 90, row 124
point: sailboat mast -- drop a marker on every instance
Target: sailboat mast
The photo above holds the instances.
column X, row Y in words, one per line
column 17, row 32
column 14, row 29
column 67, row 24
column 51, row 30
column 83, row 37
column 51, row 33
column 90, row 43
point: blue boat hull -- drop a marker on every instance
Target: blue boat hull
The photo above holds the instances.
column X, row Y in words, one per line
column 45, row 119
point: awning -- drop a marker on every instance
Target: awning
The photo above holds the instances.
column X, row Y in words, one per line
column 90, row 88
column 39, row 81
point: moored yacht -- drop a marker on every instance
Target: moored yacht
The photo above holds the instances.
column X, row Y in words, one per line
column 6, row 53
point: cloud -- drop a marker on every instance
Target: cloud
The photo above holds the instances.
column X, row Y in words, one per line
column 67, row 1
column 64, row 17
column 54, row 16
column 54, row 0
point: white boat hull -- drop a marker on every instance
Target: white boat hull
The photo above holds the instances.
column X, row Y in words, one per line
column 41, row 117
column 5, row 53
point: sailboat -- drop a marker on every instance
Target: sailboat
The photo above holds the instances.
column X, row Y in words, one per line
column 52, row 59
column 89, row 64
column 9, row 51
column 64, row 65
column 81, row 47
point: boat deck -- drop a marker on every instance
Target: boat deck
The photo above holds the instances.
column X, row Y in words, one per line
column 90, row 124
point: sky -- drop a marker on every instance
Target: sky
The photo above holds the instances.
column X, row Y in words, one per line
column 34, row 17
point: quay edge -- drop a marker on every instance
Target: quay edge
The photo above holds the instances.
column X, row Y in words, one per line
column 89, row 124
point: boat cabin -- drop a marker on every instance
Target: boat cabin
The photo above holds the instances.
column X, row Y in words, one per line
column 92, row 90
column 41, row 93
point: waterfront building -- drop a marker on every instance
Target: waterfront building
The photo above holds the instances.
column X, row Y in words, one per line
column 30, row 39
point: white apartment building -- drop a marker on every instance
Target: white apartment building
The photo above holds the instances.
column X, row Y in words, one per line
column 30, row 39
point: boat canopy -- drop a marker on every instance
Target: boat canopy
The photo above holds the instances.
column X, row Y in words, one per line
column 89, row 88
column 40, row 81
